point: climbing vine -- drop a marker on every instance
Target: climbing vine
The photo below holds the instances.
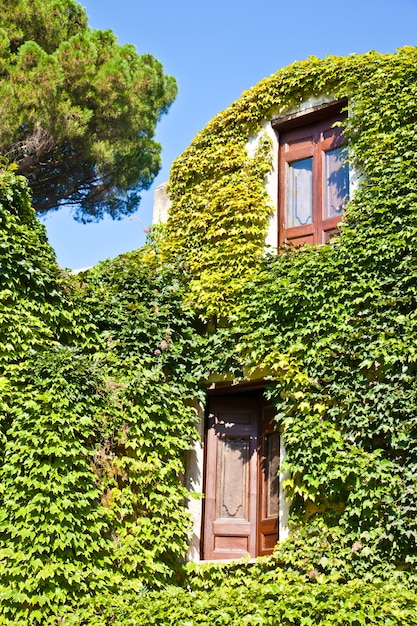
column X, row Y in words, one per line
column 101, row 373
column 99, row 379
column 334, row 326
column 53, row 531
column 220, row 209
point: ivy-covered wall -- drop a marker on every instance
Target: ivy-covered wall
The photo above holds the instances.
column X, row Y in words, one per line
column 334, row 325
column 99, row 374
column 53, row 546
column 98, row 377
column 221, row 209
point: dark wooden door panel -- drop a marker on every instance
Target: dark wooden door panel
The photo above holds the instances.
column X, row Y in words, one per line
column 233, row 499
column 269, row 461
column 230, row 515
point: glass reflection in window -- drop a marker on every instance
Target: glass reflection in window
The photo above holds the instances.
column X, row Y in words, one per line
column 336, row 182
column 300, row 193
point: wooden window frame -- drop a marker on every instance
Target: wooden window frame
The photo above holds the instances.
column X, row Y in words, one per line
column 308, row 134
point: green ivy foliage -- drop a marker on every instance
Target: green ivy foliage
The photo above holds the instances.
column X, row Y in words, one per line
column 153, row 359
column 53, row 530
column 99, row 380
column 211, row 223
column 100, row 376
column 54, row 548
column 333, row 326
column 260, row 593
column 220, row 209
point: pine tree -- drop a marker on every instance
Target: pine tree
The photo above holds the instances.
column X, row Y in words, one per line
column 78, row 110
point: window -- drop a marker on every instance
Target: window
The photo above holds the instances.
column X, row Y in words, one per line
column 242, row 505
column 313, row 175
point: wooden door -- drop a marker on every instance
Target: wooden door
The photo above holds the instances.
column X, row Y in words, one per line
column 269, row 459
column 240, row 518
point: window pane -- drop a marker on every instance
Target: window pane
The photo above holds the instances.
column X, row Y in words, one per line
column 336, row 182
column 300, row 193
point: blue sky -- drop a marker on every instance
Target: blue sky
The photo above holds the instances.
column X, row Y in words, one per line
column 216, row 50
